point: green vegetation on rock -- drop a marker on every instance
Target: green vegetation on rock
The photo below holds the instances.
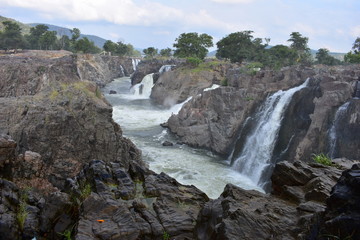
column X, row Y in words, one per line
column 322, row 159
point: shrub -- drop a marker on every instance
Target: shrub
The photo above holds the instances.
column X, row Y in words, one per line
column 193, row 61
column 322, row 159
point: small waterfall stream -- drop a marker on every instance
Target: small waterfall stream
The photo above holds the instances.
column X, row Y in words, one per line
column 143, row 89
column 256, row 154
column 333, row 130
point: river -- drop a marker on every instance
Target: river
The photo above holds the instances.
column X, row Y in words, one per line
column 140, row 121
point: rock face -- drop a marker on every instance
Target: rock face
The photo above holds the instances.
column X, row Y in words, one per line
column 66, row 120
column 177, row 86
column 7, row 156
column 136, row 204
column 342, row 216
column 217, row 119
column 103, row 69
column 146, row 67
column 29, row 74
column 289, row 213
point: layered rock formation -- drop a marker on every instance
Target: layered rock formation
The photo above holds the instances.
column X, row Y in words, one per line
column 216, row 119
column 291, row 212
column 174, row 87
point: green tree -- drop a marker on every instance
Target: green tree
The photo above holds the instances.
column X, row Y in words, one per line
column 354, row 55
column 165, row 52
column 11, row 36
column 150, row 52
column 280, row 56
column 48, row 40
column 323, row 57
column 192, row 45
column 299, row 44
column 240, row 46
column 64, row 43
column 110, row 46
column 122, row 49
column 84, row 45
column 35, row 34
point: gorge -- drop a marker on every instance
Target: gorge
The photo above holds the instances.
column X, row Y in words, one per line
column 60, row 135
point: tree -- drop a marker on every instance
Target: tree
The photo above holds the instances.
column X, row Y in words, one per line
column 110, row 46
column 150, row 52
column 323, row 57
column 280, row 56
column 354, row 55
column 192, row 45
column 299, row 44
column 240, row 46
column 64, row 43
column 122, row 49
column 165, row 52
column 35, row 34
column 48, row 40
column 86, row 46
column 11, row 36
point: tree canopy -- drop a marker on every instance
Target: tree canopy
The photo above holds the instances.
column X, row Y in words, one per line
column 11, row 37
column 150, row 52
column 323, row 57
column 192, row 45
column 300, row 45
column 240, row 46
column 354, row 55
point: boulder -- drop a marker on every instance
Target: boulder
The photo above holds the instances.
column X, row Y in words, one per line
column 342, row 216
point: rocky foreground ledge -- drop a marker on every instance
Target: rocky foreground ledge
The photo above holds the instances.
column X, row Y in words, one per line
column 66, row 171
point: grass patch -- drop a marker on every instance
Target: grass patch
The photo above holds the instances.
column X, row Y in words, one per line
column 22, row 213
column 166, row 236
column 322, row 159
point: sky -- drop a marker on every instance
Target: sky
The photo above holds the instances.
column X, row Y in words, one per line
column 331, row 24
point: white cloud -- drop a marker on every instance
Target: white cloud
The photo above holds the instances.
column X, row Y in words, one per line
column 233, row 1
column 115, row 11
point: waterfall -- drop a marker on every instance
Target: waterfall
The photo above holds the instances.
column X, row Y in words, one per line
column 135, row 62
column 333, row 130
column 122, row 71
column 165, row 68
column 143, row 88
column 256, row 154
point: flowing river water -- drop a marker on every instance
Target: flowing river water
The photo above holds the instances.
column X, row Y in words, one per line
column 140, row 121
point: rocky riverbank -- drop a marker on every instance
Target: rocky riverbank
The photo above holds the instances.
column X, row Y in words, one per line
column 66, row 170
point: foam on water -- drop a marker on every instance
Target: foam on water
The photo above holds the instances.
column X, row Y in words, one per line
column 140, row 121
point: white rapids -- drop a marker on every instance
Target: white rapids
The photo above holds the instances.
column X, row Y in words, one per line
column 140, row 121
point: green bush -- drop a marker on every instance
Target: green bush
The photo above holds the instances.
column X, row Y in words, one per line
column 322, row 159
column 193, row 61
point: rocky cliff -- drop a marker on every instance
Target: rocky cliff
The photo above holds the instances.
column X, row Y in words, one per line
column 217, row 119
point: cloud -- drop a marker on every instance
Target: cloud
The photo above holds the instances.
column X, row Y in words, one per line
column 233, row 1
column 115, row 11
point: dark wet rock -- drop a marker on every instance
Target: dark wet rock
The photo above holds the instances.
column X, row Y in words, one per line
column 300, row 182
column 241, row 214
column 112, row 92
column 167, row 144
column 342, row 215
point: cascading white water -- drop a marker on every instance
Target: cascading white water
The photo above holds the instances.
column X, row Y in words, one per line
column 333, row 130
column 256, row 154
column 165, row 68
column 122, row 71
column 135, row 62
column 143, row 89
column 140, row 121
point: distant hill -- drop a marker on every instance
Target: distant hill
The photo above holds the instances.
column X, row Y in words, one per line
column 25, row 28
column 98, row 41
